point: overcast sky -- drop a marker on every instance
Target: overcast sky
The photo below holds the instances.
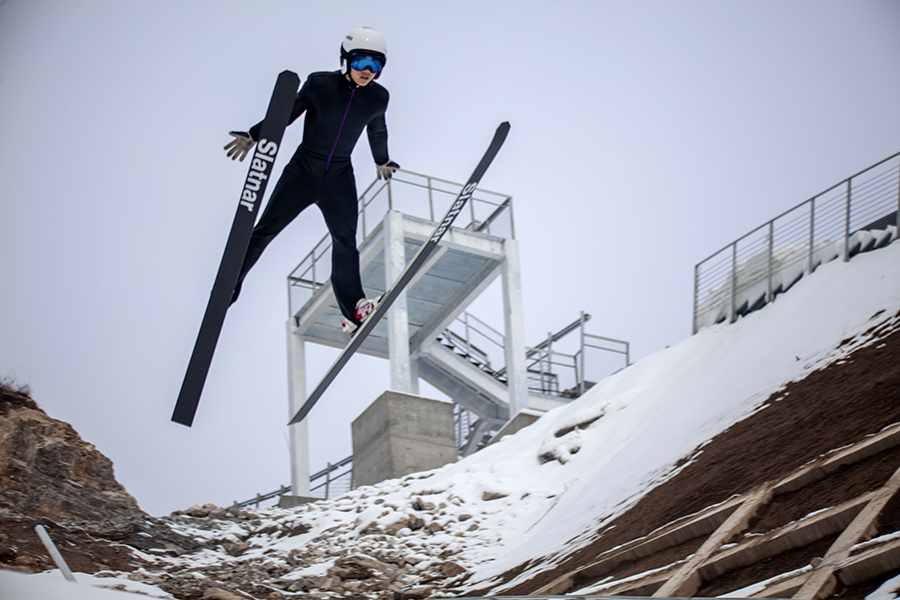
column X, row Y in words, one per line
column 646, row 135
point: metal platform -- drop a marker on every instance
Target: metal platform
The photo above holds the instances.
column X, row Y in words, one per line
column 463, row 267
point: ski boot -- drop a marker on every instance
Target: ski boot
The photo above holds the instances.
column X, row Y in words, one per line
column 364, row 308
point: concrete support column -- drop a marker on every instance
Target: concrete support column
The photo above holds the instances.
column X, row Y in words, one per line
column 298, row 433
column 400, row 434
column 513, row 308
column 402, row 377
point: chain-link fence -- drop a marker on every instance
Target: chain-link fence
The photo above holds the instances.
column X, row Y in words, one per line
column 332, row 481
column 856, row 215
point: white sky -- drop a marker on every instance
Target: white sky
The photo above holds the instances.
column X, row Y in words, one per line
column 645, row 136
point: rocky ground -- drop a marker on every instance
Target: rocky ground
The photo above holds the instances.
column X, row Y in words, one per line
column 47, row 469
column 49, row 474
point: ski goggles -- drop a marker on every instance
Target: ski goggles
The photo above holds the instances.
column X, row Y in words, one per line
column 364, row 60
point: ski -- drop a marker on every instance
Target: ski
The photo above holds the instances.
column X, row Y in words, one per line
column 418, row 260
column 262, row 160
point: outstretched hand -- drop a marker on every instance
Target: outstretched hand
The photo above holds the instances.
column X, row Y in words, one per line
column 387, row 170
column 240, row 145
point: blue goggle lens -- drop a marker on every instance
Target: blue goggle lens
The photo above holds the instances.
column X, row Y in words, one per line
column 361, row 61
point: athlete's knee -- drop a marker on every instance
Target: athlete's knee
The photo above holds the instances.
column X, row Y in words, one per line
column 344, row 247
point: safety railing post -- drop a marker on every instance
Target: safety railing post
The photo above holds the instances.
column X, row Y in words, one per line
column 468, row 330
column 846, row 252
column 430, row 200
column 771, row 259
column 327, row 480
column 581, row 375
column 312, row 257
column 812, row 235
column 41, row 530
column 545, row 370
column 696, row 295
column 732, row 310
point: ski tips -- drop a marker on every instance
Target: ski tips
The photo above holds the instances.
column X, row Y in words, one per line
column 501, row 133
column 183, row 417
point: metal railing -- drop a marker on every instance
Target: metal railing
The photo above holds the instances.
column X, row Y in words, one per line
column 858, row 214
column 465, row 425
column 550, row 369
column 329, row 485
column 413, row 194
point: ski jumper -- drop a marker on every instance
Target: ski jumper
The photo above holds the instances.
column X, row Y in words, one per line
column 320, row 172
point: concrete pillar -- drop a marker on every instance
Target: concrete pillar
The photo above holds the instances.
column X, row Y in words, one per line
column 400, row 434
column 298, row 433
column 513, row 308
column 402, row 379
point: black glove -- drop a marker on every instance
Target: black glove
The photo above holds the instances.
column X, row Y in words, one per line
column 386, row 171
column 242, row 143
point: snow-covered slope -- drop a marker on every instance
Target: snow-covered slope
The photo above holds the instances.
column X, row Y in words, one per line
column 51, row 585
column 543, row 491
column 536, row 496
column 629, row 431
column 661, row 409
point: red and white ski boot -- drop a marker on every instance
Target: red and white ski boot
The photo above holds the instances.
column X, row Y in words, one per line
column 364, row 308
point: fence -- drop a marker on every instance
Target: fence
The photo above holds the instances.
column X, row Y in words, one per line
column 858, row 214
column 412, row 194
column 332, row 481
column 552, row 368
column 464, row 425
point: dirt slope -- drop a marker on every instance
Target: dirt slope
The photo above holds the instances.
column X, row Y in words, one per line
column 831, row 408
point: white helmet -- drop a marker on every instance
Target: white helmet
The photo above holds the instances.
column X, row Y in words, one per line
column 363, row 39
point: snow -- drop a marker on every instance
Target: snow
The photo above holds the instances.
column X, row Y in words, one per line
column 51, row 585
column 752, row 590
column 543, row 492
column 887, row 591
column 665, row 406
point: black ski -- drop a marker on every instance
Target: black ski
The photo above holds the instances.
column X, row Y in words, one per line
column 263, row 157
column 424, row 252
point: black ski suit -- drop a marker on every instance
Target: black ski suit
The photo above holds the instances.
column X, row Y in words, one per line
column 337, row 111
